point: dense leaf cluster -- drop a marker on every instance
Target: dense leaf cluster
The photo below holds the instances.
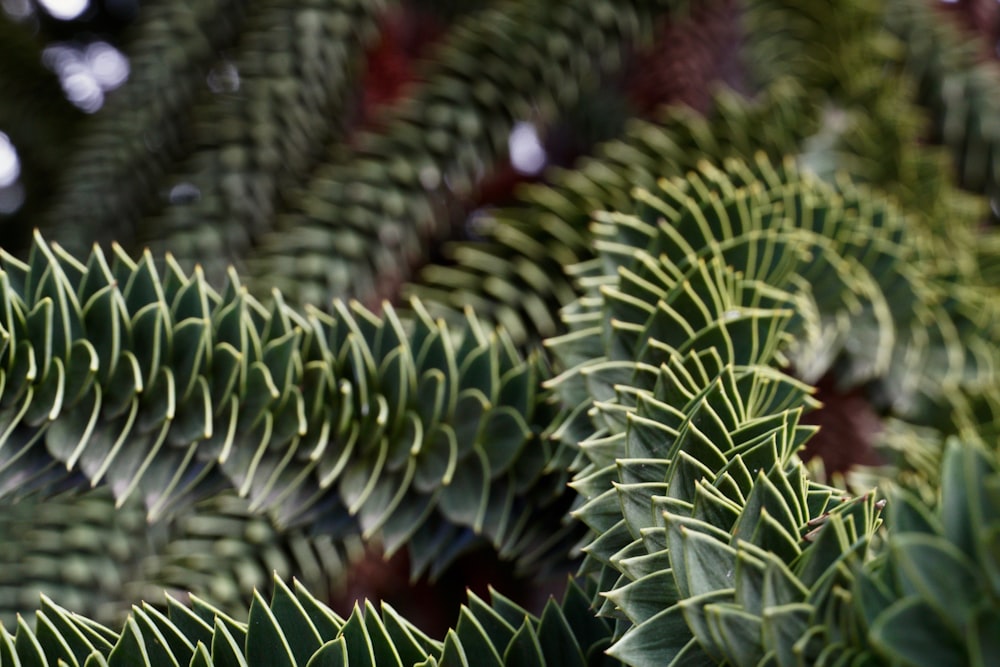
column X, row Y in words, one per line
column 615, row 375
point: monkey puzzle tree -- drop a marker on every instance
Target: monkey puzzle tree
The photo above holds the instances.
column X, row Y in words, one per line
column 730, row 360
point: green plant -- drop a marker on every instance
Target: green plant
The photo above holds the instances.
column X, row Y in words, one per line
column 613, row 379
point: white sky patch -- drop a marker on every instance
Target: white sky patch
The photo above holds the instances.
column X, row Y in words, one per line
column 65, row 10
column 11, row 199
column 224, row 78
column 11, row 190
column 87, row 72
column 10, row 165
column 83, row 91
column 184, row 193
column 527, row 155
column 108, row 65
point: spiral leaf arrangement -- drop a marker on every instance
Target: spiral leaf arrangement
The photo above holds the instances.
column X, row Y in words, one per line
column 693, row 283
column 710, row 542
column 165, row 388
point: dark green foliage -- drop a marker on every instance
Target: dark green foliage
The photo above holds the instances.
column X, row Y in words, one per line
column 297, row 630
column 284, row 94
column 693, row 488
column 168, row 389
column 376, row 207
column 127, row 147
column 38, row 120
column 692, row 282
column 937, row 579
column 959, row 89
column 98, row 558
column 516, row 274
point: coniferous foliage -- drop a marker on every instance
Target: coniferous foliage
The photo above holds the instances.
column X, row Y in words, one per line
column 267, row 327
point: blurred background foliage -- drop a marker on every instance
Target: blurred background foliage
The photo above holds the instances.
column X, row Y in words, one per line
column 213, row 129
column 374, row 150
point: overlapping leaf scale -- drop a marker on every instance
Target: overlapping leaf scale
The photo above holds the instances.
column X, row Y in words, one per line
column 295, row 629
column 277, row 99
column 936, row 578
column 97, row 559
column 705, row 472
column 363, row 219
column 131, row 140
column 220, row 550
column 703, row 485
column 77, row 549
column 164, row 389
column 709, row 542
column 775, row 234
column 862, row 305
column 499, row 632
column 516, row 274
column 863, row 75
column 962, row 362
column 747, row 555
column 892, row 305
